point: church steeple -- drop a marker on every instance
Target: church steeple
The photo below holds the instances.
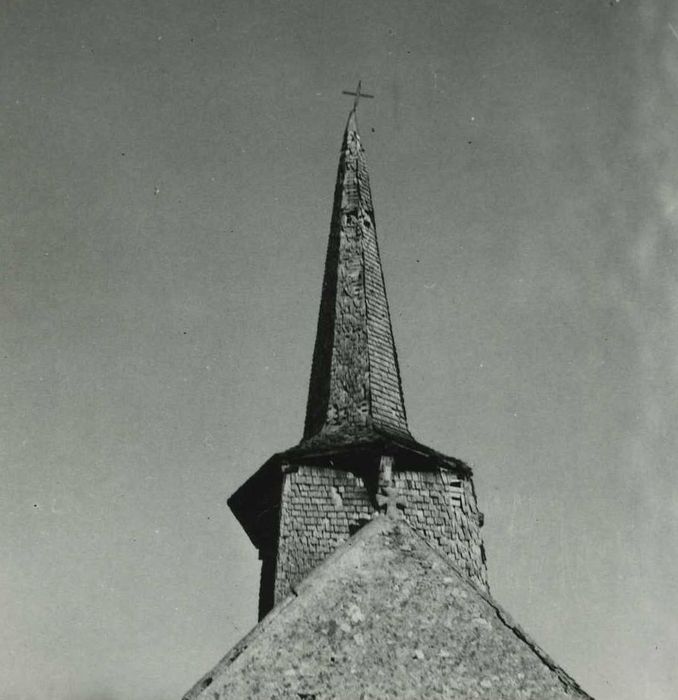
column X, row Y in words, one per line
column 355, row 389
column 361, row 522
column 357, row 457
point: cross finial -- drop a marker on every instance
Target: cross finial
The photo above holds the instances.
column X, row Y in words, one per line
column 389, row 499
column 357, row 94
column 391, row 502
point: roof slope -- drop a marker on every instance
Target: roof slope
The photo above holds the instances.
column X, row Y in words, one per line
column 355, row 379
column 386, row 616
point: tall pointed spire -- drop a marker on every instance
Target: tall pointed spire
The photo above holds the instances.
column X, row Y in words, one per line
column 355, row 386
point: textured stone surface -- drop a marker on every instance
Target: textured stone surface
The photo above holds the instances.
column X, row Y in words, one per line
column 355, row 379
column 386, row 616
column 321, row 507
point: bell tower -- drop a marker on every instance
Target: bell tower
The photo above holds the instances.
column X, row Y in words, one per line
column 357, row 456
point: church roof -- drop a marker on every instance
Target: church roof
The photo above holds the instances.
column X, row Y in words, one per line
column 386, row 616
column 355, row 379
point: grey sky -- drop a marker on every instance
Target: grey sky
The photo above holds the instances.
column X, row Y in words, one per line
column 166, row 180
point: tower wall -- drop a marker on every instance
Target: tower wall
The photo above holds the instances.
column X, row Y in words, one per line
column 322, row 507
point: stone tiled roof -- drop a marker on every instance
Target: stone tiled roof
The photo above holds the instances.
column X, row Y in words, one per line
column 386, row 616
column 355, row 379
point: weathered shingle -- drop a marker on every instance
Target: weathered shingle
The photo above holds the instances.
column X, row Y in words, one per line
column 355, row 379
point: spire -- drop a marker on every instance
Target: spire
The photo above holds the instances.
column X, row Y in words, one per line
column 355, row 388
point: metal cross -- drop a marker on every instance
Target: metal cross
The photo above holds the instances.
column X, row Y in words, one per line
column 357, row 94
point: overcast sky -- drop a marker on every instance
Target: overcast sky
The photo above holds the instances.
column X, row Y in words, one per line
column 166, row 182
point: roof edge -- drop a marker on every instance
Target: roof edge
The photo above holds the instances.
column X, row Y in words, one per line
column 380, row 524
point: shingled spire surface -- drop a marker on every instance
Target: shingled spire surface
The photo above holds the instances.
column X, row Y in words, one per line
column 355, row 388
